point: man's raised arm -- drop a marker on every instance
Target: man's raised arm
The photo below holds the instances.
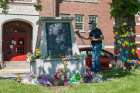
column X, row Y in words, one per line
column 78, row 34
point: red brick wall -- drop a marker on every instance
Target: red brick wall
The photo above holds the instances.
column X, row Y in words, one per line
column 101, row 9
column 138, row 25
column 48, row 8
column 138, row 29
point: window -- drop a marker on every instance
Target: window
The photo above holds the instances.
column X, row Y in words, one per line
column 93, row 18
column 79, row 22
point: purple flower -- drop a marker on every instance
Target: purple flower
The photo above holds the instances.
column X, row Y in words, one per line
column 43, row 79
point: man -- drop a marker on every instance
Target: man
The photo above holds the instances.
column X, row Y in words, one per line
column 96, row 37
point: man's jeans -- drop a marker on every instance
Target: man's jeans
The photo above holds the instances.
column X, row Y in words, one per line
column 96, row 53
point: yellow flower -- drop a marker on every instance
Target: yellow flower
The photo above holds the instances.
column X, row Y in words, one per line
column 37, row 52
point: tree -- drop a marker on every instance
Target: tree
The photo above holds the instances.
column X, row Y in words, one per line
column 124, row 12
column 3, row 5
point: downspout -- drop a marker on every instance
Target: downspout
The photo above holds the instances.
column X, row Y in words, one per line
column 57, row 7
column 54, row 7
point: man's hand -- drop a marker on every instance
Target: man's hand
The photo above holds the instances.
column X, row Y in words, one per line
column 97, row 39
column 77, row 33
column 80, row 36
column 93, row 38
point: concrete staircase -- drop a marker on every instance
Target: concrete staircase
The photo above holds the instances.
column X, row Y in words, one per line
column 12, row 68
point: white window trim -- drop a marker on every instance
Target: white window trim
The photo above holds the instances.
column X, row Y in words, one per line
column 137, row 35
column 137, row 24
column 97, row 20
column 137, row 42
column 23, row 1
column 80, row 30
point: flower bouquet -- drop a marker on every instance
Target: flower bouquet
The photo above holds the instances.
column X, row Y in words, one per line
column 37, row 53
column 30, row 57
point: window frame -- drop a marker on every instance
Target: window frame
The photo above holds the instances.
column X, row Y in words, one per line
column 80, row 22
column 96, row 19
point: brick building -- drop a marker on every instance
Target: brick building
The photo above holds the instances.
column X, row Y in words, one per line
column 18, row 30
column 23, row 18
column 82, row 12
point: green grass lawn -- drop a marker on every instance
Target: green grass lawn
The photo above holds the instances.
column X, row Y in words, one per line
column 124, row 83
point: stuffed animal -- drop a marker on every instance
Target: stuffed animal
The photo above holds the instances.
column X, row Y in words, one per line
column 43, row 79
column 59, row 77
column 76, row 78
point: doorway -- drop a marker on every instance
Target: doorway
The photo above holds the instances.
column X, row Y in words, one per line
column 17, row 40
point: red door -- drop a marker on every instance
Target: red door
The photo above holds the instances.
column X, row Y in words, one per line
column 15, row 46
column 17, row 40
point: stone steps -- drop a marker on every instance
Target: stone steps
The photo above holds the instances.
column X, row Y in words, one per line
column 11, row 69
column 17, row 65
